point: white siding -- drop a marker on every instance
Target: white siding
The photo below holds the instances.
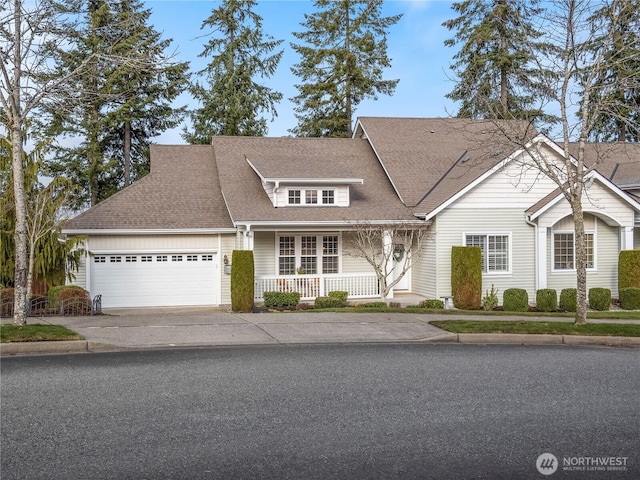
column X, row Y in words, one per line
column 454, row 222
column 80, row 277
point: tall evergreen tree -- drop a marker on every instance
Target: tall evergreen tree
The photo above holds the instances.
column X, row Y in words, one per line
column 232, row 101
column 496, row 75
column 142, row 106
column 342, row 61
column 615, row 95
column 119, row 106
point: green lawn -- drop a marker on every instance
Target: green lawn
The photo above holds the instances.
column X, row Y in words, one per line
column 35, row 333
column 553, row 328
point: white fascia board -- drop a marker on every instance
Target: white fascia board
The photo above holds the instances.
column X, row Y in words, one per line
column 158, row 231
column 310, row 181
column 306, row 225
column 255, row 169
column 373, row 147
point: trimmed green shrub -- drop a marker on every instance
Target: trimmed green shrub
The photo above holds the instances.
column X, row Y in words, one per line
column 242, row 280
column 65, row 292
column 433, row 304
column 515, row 300
column 600, row 299
column 327, row 302
column 629, row 269
column 629, row 298
column 466, row 277
column 568, row 299
column 375, row 305
column 340, row 295
column 547, row 300
column 281, row 299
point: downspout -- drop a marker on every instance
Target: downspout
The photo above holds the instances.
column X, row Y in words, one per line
column 537, row 273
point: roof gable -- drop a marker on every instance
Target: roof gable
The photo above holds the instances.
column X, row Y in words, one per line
column 428, row 160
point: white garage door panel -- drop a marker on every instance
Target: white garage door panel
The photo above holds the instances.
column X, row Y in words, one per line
column 157, row 280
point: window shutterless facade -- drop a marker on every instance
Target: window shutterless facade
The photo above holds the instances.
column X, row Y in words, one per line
column 495, row 251
column 308, row 254
column 564, row 258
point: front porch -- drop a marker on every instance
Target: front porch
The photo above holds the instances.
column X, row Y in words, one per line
column 362, row 286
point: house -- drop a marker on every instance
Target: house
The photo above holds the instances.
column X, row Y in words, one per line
column 167, row 240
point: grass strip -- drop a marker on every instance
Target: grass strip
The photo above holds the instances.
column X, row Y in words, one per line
column 36, row 333
column 551, row 328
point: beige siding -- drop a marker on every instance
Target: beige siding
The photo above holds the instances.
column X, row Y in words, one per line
column 80, row 277
column 264, row 253
column 454, row 223
column 351, row 262
column 605, row 274
column 424, row 271
column 521, row 185
column 227, row 245
column 133, row 243
column 596, row 200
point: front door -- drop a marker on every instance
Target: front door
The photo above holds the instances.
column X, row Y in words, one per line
column 398, row 263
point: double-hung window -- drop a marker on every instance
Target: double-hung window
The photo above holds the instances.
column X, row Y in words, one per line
column 564, row 255
column 308, row 254
column 495, row 251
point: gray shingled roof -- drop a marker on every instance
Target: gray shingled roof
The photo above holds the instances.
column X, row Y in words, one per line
column 287, row 165
column 619, row 162
column 181, row 192
column 432, row 159
column 375, row 199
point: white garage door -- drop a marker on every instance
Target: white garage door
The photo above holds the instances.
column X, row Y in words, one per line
column 158, row 280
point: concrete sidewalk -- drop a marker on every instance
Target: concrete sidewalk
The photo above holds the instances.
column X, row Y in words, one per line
column 142, row 329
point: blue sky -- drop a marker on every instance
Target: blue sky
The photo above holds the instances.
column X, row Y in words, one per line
column 415, row 44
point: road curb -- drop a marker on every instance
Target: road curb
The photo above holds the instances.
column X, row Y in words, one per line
column 62, row 346
column 84, row 346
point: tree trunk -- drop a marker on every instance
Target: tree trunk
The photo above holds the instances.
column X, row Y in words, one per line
column 20, row 234
column 127, row 153
column 581, row 262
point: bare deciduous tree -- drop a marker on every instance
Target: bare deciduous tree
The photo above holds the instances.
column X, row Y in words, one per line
column 390, row 248
column 571, row 76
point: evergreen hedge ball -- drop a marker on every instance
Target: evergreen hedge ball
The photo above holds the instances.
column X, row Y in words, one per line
column 515, row 300
column 569, row 299
column 600, row 299
column 547, row 300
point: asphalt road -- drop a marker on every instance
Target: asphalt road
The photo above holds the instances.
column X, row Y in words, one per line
column 325, row 412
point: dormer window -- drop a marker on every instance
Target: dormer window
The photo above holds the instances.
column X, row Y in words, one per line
column 311, row 196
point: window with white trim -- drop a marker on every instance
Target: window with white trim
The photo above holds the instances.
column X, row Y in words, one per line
column 564, row 257
column 495, row 251
column 311, row 196
column 308, row 254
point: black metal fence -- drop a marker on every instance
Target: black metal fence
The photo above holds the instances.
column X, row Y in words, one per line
column 40, row 307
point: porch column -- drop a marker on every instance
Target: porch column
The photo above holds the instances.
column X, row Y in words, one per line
column 541, row 259
column 247, row 240
column 626, row 238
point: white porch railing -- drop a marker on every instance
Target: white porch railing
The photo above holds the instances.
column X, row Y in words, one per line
column 359, row 285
